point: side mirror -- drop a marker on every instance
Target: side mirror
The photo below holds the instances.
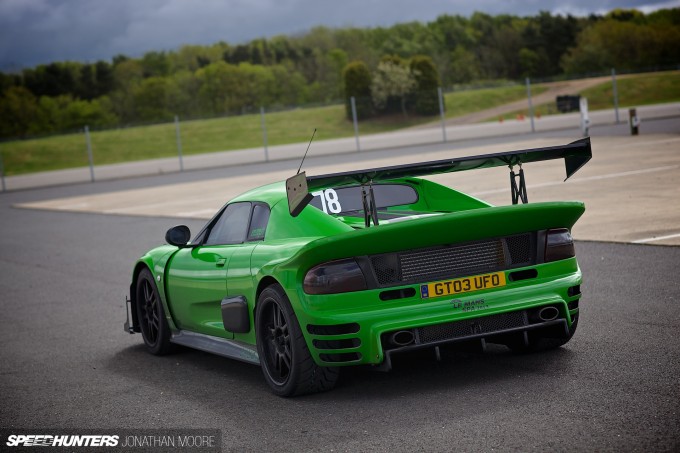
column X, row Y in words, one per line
column 178, row 236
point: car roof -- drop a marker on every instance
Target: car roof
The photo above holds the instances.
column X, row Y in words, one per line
column 270, row 194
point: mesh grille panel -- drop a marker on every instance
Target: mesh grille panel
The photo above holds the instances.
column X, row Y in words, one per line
column 475, row 258
column 519, row 248
column 386, row 268
column 460, row 329
column 418, row 266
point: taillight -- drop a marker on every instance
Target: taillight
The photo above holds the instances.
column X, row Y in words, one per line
column 559, row 245
column 334, row 277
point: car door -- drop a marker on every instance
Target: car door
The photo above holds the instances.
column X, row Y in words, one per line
column 197, row 276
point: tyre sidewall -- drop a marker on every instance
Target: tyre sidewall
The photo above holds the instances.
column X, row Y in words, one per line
column 541, row 344
column 162, row 344
column 275, row 294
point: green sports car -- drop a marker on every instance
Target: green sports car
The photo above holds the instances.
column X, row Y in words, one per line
column 315, row 273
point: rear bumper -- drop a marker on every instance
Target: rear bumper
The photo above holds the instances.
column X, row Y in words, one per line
column 355, row 336
column 518, row 325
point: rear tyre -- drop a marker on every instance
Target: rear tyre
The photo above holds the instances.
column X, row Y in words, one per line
column 538, row 343
column 286, row 362
column 151, row 316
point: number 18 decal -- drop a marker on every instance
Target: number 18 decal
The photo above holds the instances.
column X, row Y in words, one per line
column 329, row 201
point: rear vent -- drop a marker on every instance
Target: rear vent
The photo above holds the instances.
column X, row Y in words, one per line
column 337, row 329
column 337, row 344
column 393, row 294
column 574, row 291
column 340, row 358
column 523, row 275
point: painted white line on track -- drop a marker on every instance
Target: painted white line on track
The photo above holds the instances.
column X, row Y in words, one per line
column 197, row 214
column 657, row 238
column 648, row 142
column 75, row 206
column 587, row 178
column 156, row 205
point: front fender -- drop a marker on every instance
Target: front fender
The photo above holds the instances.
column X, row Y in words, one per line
column 156, row 261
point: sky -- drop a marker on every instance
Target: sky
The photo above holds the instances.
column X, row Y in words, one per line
column 42, row 31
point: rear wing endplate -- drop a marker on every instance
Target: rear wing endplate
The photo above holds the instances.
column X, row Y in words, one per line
column 575, row 155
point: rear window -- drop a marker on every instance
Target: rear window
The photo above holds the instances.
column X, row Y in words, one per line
column 343, row 200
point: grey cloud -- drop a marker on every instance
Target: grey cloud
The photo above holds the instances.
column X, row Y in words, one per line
column 40, row 31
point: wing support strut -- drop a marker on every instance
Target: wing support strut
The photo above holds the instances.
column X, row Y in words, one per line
column 370, row 208
column 519, row 191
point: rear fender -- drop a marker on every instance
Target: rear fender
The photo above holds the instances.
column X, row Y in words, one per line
column 447, row 228
column 424, row 232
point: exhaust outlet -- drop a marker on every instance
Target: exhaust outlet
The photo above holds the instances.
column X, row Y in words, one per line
column 548, row 313
column 401, row 338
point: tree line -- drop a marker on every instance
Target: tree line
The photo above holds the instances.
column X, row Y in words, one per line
column 198, row 81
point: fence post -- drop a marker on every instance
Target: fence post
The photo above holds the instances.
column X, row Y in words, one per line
column 356, row 123
column 585, row 118
column 616, row 95
column 441, row 112
column 264, row 135
column 531, row 106
column 89, row 152
column 178, row 137
column 2, row 174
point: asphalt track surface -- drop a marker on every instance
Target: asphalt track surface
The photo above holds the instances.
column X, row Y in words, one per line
column 66, row 363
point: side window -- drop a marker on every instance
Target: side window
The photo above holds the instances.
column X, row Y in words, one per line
column 258, row 223
column 232, row 226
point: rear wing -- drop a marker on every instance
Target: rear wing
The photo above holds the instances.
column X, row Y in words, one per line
column 575, row 155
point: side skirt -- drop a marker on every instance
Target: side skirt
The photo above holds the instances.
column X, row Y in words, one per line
column 226, row 348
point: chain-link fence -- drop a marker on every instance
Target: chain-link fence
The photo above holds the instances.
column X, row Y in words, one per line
column 261, row 131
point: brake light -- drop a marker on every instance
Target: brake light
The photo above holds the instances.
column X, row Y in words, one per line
column 334, row 277
column 559, row 245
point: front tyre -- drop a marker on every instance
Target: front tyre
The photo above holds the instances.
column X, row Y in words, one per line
column 286, row 362
column 151, row 317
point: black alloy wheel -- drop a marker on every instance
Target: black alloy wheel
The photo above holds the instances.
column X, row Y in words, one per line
column 150, row 315
column 150, row 320
column 286, row 362
column 276, row 344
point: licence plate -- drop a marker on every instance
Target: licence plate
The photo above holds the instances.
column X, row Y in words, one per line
column 462, row 285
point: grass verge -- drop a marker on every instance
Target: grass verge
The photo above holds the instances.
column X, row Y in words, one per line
column 197, row 136
column 633, row 90
column 461, row 103
column 292, row 126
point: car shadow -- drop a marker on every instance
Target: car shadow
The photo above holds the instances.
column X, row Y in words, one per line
column 183, row 369
column 191, row 372
column 234, row 397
